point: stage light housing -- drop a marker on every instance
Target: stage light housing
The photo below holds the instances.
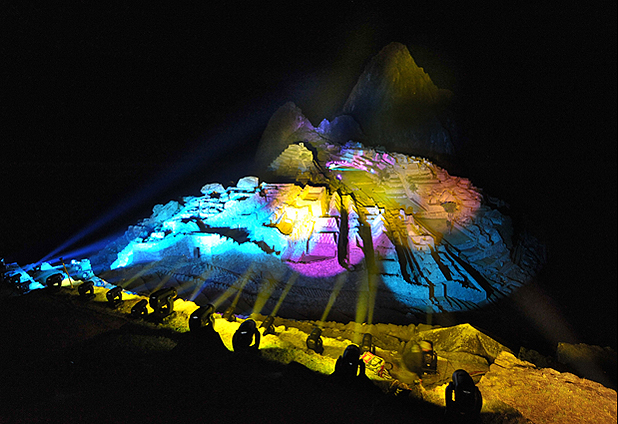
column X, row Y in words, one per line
column 467, row 401
column 349, row 364
column 86, row 290
column 114, row 296
column 202, row 317
column 314, row 341
column 367, row 344
column 21, row 286
column 162, row 302
column 54, row 281
column 140, row 308
column 268, row 326
column 229, row 314
column 243, row 338
column 430, row 358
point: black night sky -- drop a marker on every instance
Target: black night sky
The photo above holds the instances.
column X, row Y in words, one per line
column 110, row 109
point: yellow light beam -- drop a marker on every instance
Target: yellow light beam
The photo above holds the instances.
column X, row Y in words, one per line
column 239, row 287
column 285, row 292
column 333, row 295
column 199, row 287
column 371, row 301
column 362, row 302
column 265, row 291
column 137, row 275
column 237, row 298
column 165, row 279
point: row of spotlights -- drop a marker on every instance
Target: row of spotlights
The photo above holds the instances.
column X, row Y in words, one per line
column 462, row 395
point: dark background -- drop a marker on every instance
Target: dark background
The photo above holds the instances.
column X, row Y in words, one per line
column 110, row 109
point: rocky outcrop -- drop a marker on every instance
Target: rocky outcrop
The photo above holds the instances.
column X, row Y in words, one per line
column 593, row 362
column 464, row 338
column 545, row 395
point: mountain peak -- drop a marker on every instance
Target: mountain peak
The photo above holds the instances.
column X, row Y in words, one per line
column 391, row 77
column 398, row 106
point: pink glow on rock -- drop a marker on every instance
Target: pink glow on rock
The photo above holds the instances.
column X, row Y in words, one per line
column 355, row 255
column 326, row 267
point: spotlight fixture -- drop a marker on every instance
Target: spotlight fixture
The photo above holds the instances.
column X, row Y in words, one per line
column 140, row 308
column 202, row 317
column 162, row 301
column 244, row 336
column 86, row 290
column 54, row 281
column 114, row 296
column 229, row 314
column 430, row 358
column 367, row 344
column 268, row 326
column 314, row 341
column 21, row 286
column 467, row 402
column 349, row 364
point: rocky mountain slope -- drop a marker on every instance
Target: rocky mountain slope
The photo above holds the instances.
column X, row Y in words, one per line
column 394, row 105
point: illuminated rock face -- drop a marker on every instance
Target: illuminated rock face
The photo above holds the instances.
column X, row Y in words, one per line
column 393, row 233
column 394, row 227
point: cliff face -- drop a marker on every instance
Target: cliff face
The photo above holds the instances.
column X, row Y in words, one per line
column 399, row 107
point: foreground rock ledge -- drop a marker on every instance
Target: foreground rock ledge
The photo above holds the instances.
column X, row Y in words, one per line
column 545, row 395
